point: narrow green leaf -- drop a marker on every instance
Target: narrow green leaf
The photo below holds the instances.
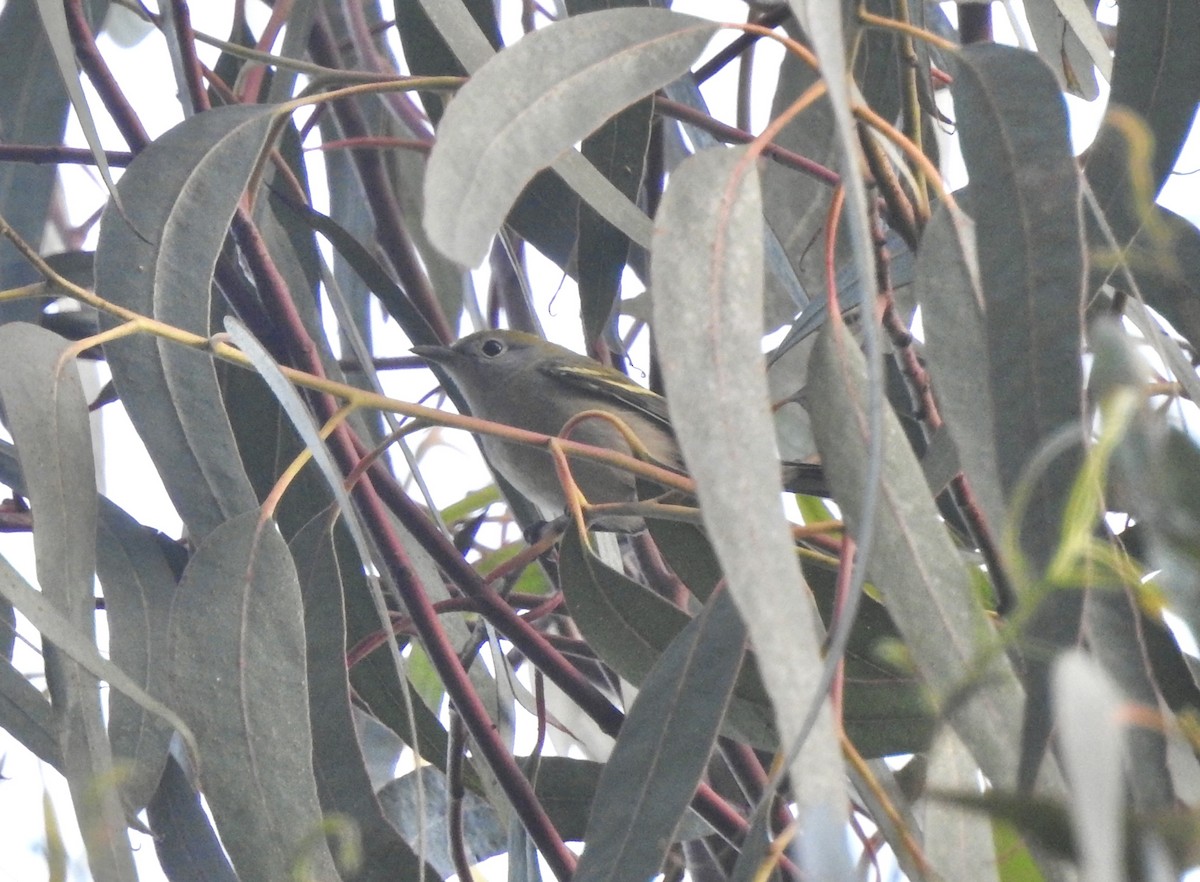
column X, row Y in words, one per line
column 952, row 310
column 574, row 74
column 139, row 585
column 179, row 195
column 1091, row 737
column 624, row 623
column 1156, row 74
column 663, row 748
column 707, row 278
column 342, row 782
column 237, row 675
column 1115, row 634
column 46, row 412
column 484, row 836
column 958, row 843
column 618, row 150
column 27, row 715
column 914, row 565
column 54, row 20
column 33, row 110
column 184, row 840
column 1025, row 191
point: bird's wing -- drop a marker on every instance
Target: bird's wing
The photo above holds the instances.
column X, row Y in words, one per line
column 599, row 382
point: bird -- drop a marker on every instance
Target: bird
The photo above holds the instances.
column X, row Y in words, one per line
column 519, row 379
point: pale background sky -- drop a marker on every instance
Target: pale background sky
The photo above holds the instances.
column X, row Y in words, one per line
column 130, row 480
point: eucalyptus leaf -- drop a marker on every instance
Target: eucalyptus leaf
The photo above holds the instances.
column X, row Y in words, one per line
column 45, row 410
column 342, row 782
column 707, row 276
column 915, row 566
column 139, row 586
column 574, row 76
column 663, row 748
column 237, row 674
column 157, row 260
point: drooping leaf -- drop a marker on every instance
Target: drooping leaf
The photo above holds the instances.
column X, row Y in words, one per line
column 395, row 301
column 796, row 205
column 184, row 839
column 663, row 747
column 1091, row 741
column 56, row 629
column 629, row 627
column 957, row 844
column 1025, row 190
column 27, row 715
column 914, row 565
column 433, row 45
column 624, row 623
column 8, row 630
column 46, row 412
column 54, row 21
column 1164, row 259
column 1115, row 635
column 422, row 817
column 306, row 427
column 1070, row 43
column 33, row 110
column 574, row 75
column 947, row 282
column 546, row 211
column 1157, row 76
column 784, row 292
column 237, row 675
column 179, row 196
column 707, row 277
column 342, row 782
column 618, row 150
column 139, row 585
column 885, row 710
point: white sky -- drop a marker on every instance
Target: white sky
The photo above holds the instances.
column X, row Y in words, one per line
column 130, row 479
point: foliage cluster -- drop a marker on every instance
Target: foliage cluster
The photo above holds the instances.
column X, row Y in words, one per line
column 970, row 599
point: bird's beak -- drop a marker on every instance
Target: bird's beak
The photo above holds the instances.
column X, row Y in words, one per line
column 436, row 354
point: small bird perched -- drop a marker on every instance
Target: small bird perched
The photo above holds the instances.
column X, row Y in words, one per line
column 521, row 380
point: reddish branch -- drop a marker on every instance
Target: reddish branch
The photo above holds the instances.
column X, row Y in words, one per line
column 390, row 226
column 56, row 154
column 732, row 135
column 193, row 72
column 98, row 72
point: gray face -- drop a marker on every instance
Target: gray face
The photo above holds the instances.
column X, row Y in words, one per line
column 500, row 375
column 495, row 372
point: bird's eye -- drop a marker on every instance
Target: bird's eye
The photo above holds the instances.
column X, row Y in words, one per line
column 491, row 348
